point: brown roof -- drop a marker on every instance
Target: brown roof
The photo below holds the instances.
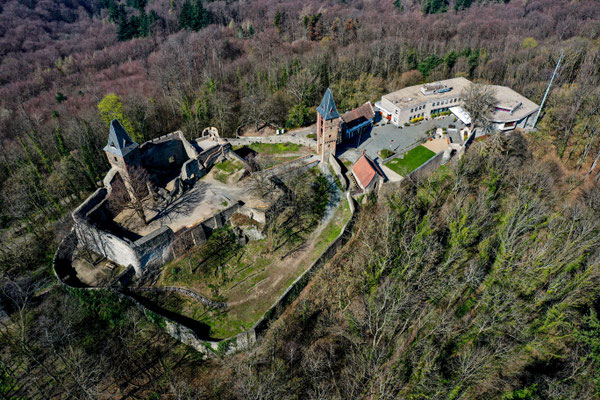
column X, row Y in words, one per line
column 366, row 111
column 365, row 170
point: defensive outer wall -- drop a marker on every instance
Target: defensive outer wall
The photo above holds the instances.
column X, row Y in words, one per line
column 210, row 348
column 63, row 269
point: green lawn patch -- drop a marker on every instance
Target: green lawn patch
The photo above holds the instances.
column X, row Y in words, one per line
column 274, row 148
column 225, row 169
column 229, row 166
column 411, row 161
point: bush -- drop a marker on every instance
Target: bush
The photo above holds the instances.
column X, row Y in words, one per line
column 385, row 153
column 223, row 346
column 312, row 136
column 406, row 124
column 415, row 120
column 102, row 304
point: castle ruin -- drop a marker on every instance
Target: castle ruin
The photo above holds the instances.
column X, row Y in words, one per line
column 174, row 209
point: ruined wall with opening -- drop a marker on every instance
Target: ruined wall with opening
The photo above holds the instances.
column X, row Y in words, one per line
column 187, row 237
column 98, row 240
column 169, row 154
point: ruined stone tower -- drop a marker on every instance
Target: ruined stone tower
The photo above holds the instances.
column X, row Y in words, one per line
column 121, row 150
column 328, row 126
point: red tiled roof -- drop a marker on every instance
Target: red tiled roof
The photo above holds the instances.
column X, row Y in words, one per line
column 366, row 111
column 364, row 170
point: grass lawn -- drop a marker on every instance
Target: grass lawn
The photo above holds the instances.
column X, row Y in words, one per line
column 229, row 166
column 272, row 154
column 225, row 169
column 275, row 148
column 411, row 161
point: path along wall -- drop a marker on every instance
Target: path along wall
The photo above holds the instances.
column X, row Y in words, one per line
column 294, row 290
column 246, row 140
column 337, row 168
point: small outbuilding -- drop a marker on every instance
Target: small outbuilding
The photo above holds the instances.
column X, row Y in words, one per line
column 367, row 174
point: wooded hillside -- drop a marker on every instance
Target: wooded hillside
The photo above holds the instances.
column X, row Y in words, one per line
column 478, row 283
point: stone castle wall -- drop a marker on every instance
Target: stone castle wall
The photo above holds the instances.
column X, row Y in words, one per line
column 208, row 348
column 117, row 249
column 337, row 168
column 167, row 154
column 187, row 237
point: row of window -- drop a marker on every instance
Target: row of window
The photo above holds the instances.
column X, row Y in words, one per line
column 416, row 116
column 439, row 103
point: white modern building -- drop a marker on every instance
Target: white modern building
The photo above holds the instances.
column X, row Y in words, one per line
column 512, row 109
column 402, row 106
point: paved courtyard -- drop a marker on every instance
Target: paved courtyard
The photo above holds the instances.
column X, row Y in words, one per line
column 386, row 136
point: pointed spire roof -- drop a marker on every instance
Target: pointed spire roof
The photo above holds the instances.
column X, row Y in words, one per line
column 327, row 108
column 119, row 142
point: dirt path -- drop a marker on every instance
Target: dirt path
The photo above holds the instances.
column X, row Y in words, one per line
column 292, row 264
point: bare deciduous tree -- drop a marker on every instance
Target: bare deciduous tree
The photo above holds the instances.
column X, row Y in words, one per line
column 479, row 101
column 130, row 191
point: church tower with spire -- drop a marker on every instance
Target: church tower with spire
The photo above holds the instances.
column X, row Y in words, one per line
column 328, row 126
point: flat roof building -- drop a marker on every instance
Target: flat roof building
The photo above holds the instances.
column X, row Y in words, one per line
column 512, row 109
column 414, row 103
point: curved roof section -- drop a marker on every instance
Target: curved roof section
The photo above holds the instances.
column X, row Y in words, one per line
column 511, row 106
column 327, row 107
column 119, row 142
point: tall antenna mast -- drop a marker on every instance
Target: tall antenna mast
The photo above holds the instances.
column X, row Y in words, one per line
column 548, row 89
